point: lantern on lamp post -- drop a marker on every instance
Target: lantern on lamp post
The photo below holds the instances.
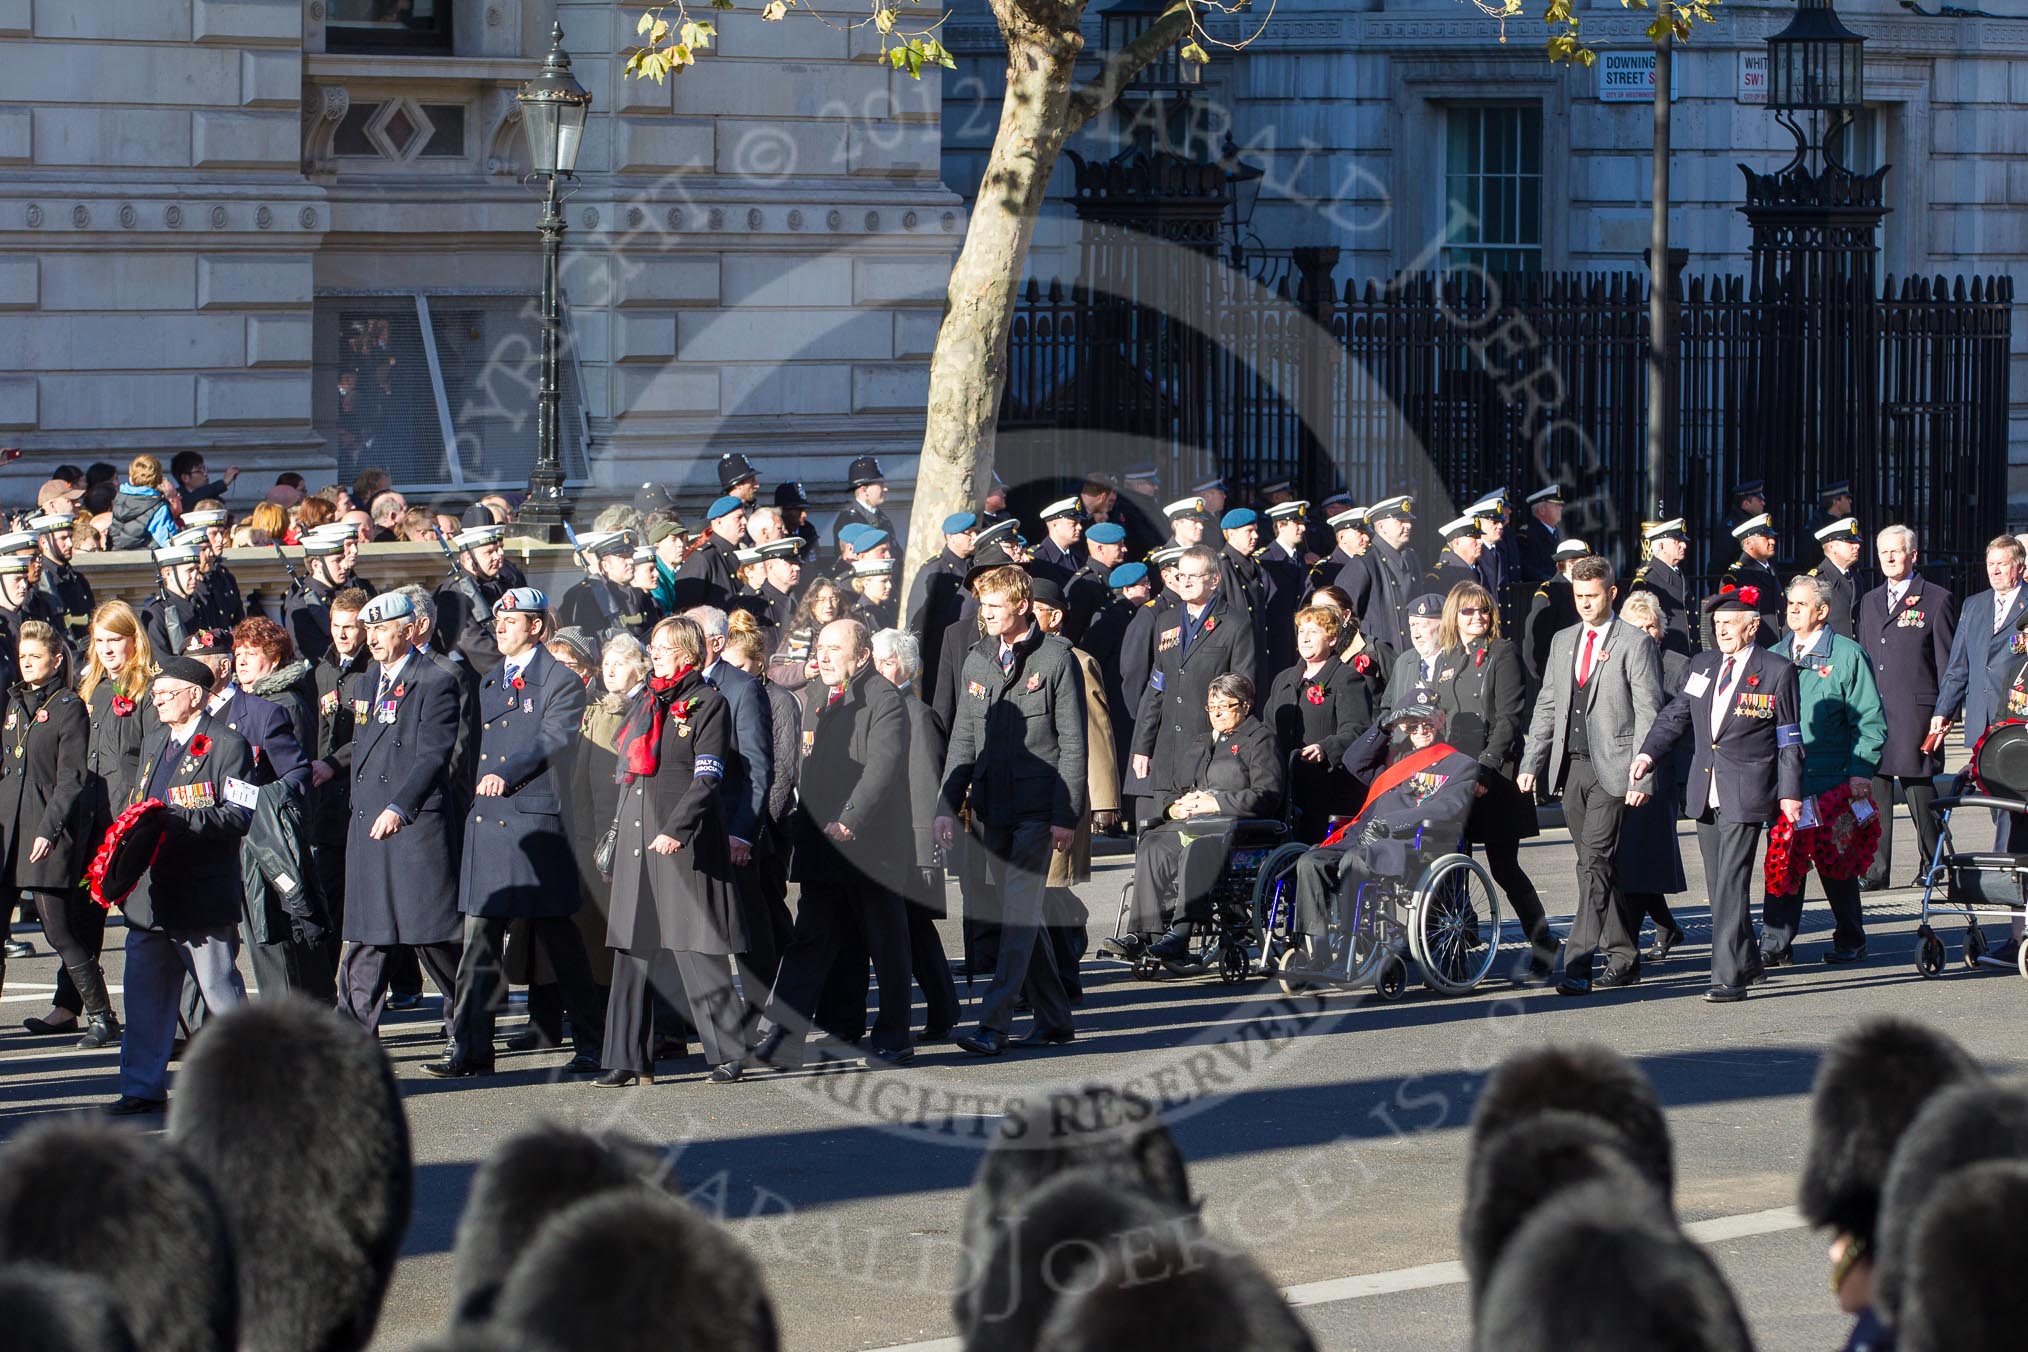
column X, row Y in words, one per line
column 553, row 111
column 1816, row 68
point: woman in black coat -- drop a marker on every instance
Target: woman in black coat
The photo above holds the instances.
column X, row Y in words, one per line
column 673, row 890
column 1649, row 858
column 1316, row 709
column 115, row 690
column 43, row 846
column 1481, row 687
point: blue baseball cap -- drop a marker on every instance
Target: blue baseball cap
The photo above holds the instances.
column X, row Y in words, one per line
column 1107, row 533
column 1238, row 517
column 725, row 506
column 957, row 523
column 1126, row 575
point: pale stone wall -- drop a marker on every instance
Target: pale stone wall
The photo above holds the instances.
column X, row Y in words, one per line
column 190, row 189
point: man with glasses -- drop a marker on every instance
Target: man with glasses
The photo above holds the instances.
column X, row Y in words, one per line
column 1200, row 639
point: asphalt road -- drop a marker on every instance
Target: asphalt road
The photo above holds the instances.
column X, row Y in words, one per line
column 1326, row 1136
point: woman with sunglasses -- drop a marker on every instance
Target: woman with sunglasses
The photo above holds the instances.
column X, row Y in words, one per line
column 1481, row 687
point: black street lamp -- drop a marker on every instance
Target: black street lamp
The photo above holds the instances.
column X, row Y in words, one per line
column 553, row 109
column 1816, row 66
column 1243, row 182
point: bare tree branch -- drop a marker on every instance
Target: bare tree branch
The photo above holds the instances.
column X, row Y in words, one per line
column 1096, row 95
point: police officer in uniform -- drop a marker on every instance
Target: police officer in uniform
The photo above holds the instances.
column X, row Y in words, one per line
column 1753, row 568
column 1668, row 543
column 170, row 616
column 1062, row 553
column 401, row 875
column 608, row 603
column 869, row 491
column 1397, row 572
column 1541, row 532
column 330, row 554
column 1834, row 504
column 1842, row 545
column 939, row 591
column 1748, row 501
column 465, row 601
column 1550, row 611
column 1464, row 545
column 68, row 590
column 218, row 595
column 738, row 478
column 794, row 505
column 517, row 862
column 1204, row 636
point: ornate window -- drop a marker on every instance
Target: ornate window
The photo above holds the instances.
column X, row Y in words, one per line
column 380, row 25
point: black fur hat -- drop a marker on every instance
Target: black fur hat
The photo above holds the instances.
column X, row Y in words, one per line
column 77, row 1195
column 1517, row 1169
column 530, row 1178
column 49, row 1310
column 1959, row 1126
column 1076, row 1215
column 293, row 1114
column 1587, row 1079
column 1099, row 1127
column 1968, row 1234
column 1645, row 1284
column 1870, row 1086
column 636, row 1271
column 1177, row 1295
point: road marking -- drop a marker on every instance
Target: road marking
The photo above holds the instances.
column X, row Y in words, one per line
column 1717, row 1230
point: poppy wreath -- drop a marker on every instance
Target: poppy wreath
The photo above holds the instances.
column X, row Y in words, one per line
column 95, row 876
column 1788, row 858
column 1843, row 846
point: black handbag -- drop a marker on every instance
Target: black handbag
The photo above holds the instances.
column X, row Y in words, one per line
column 609, row 843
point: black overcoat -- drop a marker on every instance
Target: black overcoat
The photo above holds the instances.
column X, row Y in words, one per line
column 1910, row 649
column 518, row 859
column 42, row 778
column 1483, row 693
column 404, row 889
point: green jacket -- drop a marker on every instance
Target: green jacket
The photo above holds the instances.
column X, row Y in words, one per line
column 1844, row 727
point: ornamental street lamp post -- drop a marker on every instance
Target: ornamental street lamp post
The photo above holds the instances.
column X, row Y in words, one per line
column 553, row 110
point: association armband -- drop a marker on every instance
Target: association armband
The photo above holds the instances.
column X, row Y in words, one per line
column 1788, row 734
column 708, row 765
column 1155, row 679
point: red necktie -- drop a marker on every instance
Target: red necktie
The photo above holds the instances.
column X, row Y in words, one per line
column 1584, row 662
column 837, row 693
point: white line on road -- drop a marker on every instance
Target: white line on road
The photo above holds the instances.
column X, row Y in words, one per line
column 1717, row 1230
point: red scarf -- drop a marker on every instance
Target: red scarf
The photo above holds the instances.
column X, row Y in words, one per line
column 1413, row 763
column 641, row 739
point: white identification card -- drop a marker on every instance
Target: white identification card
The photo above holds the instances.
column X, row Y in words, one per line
column 1697, row 686
column 1809, row 817
column 241, row 794
column 1862, row 810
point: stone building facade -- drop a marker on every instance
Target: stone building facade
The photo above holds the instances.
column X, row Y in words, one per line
column 1374, row 119
column 291, row 234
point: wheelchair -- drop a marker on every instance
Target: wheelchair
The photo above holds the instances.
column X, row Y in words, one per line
column 1443, row 915
column 1978, row 886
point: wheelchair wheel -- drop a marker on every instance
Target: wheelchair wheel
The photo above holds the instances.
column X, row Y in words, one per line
column 2021, row 960
column 1454, row 924
column 1284, row 959
column 1975, row 947
column 1393, row 980
column 1929, row 953
column 1274, row 903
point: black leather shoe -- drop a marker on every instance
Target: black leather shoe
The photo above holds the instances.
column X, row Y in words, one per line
column 103, row 1032
column 1126, row 946
column 1664, row 941
column 728, row 1072
column 876, row 1059
column 457, row 1068
column 1725, row 995
column 44, row 1028
column 1840, row 956
column 20, row 948
column 581, row 1064
column 1573, row 985
column 1755, row 975
column 985, row 1042
column 529, row 1040
column 1039, row 1038
column 1618, row 976
column 129, row 1106
column 620, row 1079
column 1777, row 957
column 1173, row 946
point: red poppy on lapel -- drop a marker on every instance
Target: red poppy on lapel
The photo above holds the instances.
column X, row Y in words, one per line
column 1752, row 681
column 1362, row 664
column 1210, row 623
column 200, row 746
column 1908, row 600
column 122, row 706
column 1314, row 694
column 42, row 715
column 1235, row 748
column 517, row 682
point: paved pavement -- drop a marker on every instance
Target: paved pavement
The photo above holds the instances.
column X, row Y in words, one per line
column 1324, row 1135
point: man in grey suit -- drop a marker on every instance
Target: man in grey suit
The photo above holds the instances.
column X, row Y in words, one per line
column 1601, row 689
column 1987, row 641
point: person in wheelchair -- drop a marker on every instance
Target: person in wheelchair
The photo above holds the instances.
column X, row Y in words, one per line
column 1429, row 784
column 1236, row 774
